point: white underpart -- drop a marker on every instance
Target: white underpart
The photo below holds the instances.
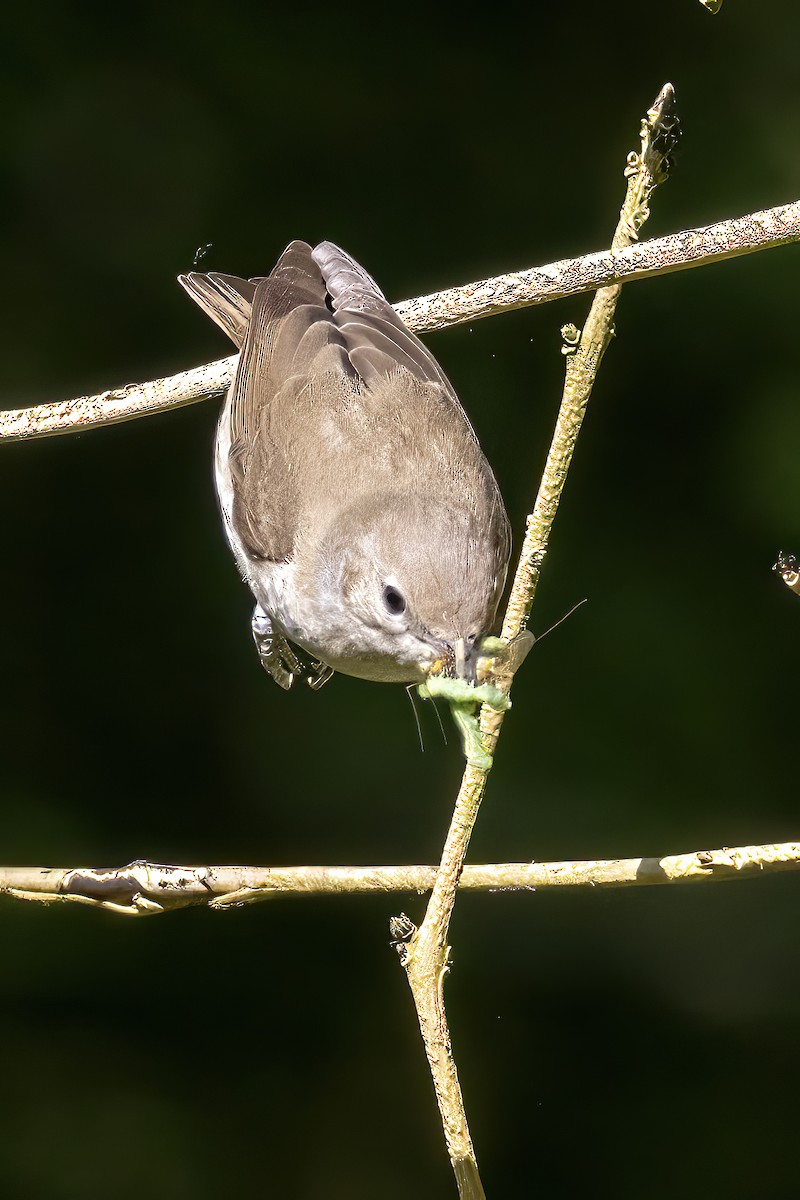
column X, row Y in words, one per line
column 270, row 583
column 224, row 483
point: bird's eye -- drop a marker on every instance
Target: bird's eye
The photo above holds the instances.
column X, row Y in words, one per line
column 393, row 601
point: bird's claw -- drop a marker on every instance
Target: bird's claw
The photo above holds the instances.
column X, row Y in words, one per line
column 279, row 659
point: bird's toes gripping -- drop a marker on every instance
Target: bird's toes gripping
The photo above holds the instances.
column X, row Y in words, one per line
column 279, row 659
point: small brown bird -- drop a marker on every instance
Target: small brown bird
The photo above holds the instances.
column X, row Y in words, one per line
column 355, row 496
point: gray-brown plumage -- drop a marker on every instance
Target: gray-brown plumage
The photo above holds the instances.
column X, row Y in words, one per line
column 356, row 499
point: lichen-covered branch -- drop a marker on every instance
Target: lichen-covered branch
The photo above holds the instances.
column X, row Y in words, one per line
column 119, row 404
column 425, row 952
column 143, row 889
column 484, row 298
column 572, row 276
column 584, row 352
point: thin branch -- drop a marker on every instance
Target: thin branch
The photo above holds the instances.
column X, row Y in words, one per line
column 584, row 353
column 119, row 404
column 143, row 889
column 621, row 264
column 485, row 298
column 425, row 952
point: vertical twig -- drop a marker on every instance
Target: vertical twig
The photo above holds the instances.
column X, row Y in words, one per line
column 584, row 353
column 424, row 952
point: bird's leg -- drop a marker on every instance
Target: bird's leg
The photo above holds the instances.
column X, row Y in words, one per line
column 275, row 653
column 279, row 659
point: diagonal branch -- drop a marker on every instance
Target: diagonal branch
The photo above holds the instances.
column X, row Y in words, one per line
column 620, row 264
column 485, row 298
column 143, row 889
column 425, row 952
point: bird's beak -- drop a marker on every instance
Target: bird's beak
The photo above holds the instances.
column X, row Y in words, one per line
column 460, row 652
column 466, row 659
column 458, row 659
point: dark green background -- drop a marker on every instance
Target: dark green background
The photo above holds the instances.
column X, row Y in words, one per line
column 629, row 1044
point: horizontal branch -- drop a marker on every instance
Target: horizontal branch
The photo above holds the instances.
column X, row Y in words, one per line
column 488, row 297
column 119, row 404
column 144, row 888
column 571, row 276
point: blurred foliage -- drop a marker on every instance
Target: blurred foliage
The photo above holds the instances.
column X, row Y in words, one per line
column 626, row 1037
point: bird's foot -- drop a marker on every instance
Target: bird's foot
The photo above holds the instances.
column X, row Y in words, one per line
column 274, row 652
column 279, row 659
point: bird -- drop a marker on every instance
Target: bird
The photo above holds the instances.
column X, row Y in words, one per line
column 354, row 495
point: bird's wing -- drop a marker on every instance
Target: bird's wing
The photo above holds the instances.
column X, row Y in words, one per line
column 320, row 338
column 290, row 336
column 376, row 340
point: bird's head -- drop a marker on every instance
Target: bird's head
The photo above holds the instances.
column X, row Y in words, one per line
column 406, row 586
